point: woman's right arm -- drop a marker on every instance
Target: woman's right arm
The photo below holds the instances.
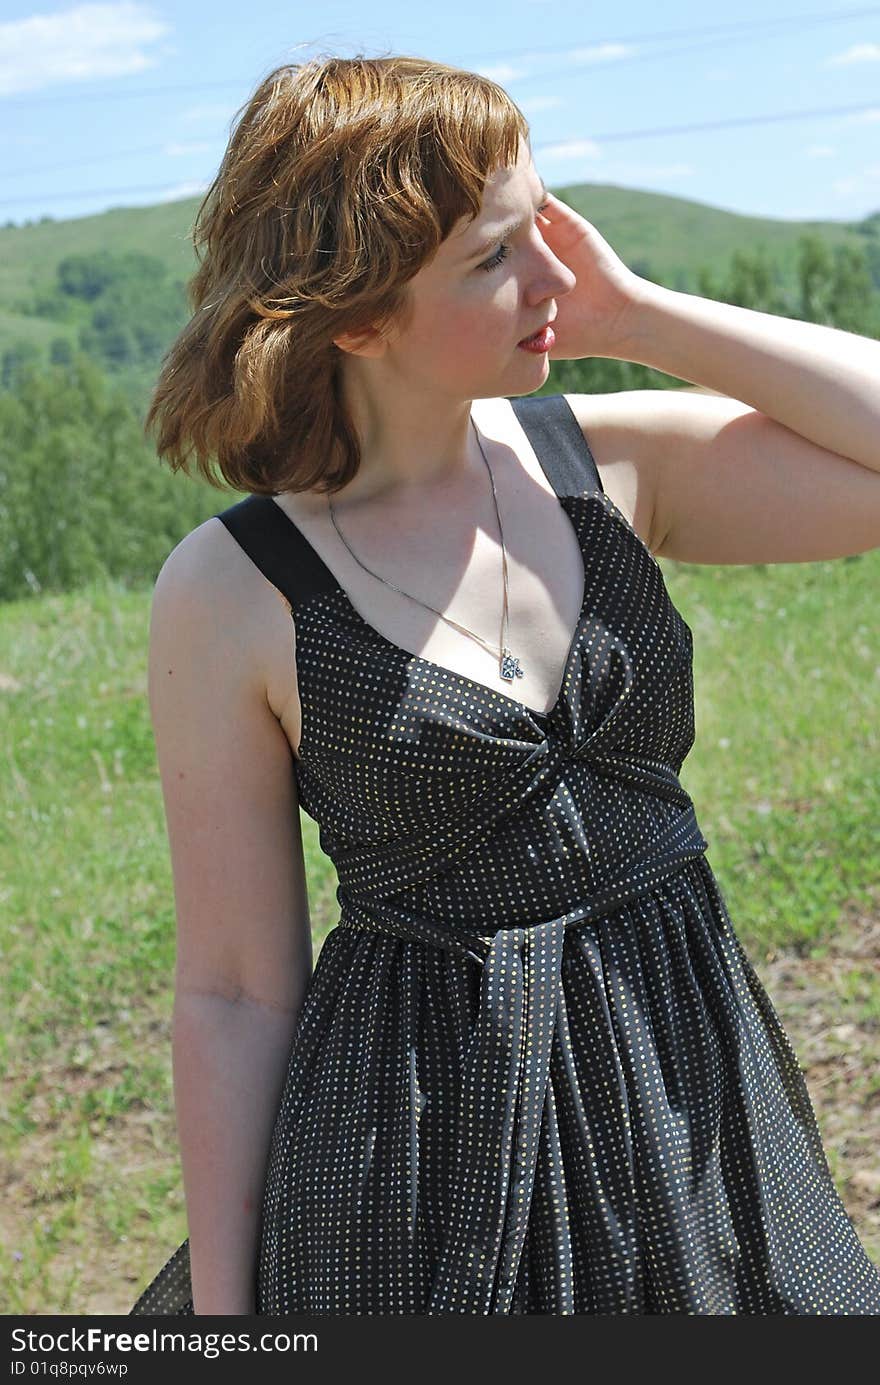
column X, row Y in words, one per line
column 244, row 954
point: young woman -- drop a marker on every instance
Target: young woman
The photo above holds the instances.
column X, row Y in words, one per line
column 533, row 1070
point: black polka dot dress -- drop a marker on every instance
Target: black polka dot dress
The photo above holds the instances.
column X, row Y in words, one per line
column 534, row 1071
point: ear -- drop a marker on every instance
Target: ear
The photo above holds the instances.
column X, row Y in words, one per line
column 368, row 342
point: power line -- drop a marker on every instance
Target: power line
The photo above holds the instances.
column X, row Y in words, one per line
column 742, row 26
column 93, row 159
column 117, row 154
column 745, row 25
column 774, row 118
column 559, row 76
column 154, row 148
column 610, row 138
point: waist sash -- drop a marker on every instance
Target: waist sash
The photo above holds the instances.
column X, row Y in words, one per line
column 506, row 1069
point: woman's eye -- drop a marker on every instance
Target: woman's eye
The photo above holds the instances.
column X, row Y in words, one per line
column 502, row 251
column 495, row 261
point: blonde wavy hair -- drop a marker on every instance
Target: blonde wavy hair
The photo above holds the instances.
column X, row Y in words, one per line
column 340, row 180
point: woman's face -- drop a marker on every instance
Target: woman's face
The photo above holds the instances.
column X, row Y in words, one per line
column 476, row 300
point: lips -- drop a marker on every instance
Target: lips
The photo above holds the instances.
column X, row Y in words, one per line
column 537, row 331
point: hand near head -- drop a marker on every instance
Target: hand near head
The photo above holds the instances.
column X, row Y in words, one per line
column 593, row 318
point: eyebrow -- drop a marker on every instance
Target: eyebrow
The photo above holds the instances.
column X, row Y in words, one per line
column 504, row 233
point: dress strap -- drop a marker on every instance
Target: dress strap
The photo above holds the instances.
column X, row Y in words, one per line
column 281, row 551
column 560, row 446
column 279, row 548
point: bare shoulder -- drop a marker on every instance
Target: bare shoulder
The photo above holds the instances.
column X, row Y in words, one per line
column 231, row 800
column 247, row 622
column 617, row 428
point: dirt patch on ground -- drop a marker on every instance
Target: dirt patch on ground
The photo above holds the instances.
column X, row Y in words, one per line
column 829, row 1002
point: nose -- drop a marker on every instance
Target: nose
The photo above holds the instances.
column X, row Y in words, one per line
column 553, row 279
column 557, row 275
column 565, row 278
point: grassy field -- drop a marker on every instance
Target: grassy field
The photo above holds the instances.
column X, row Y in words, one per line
column 783, row 774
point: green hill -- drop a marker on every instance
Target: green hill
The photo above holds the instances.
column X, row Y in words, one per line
column 668, row 239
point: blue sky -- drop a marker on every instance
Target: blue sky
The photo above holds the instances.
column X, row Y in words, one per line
column 125, row 104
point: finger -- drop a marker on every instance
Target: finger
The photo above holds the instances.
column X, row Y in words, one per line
column 556, row 204
column 552, row 204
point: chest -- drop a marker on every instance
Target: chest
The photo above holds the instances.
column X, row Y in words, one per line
column 388, row 740
column 432, row 586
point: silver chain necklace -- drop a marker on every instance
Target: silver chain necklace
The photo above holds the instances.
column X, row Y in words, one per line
column 509, row 665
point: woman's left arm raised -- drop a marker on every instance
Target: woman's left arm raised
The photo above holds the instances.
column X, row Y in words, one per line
column 783, row 463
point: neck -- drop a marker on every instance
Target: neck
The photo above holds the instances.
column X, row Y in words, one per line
column 412, row 448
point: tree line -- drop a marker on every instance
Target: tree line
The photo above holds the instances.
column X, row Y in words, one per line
column 83, row 496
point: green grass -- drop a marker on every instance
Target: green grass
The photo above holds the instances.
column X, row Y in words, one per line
column 784, row 769
column 783, row 774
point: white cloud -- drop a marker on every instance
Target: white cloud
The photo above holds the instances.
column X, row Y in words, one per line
column 862, row 184
column 539, row 103
column 565, row 151
column 77, row 45
column 502, row 73
column 505, row 73
column 207, row 110
column 574, row 155
column 649, row 172
column 600, row 53
column 180, row 149
column 820, row 151
column 857, row 53
column 190, row 187
column 869, row 117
